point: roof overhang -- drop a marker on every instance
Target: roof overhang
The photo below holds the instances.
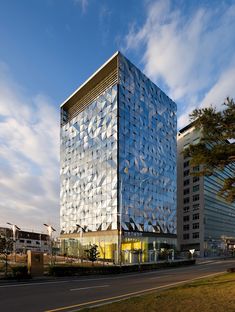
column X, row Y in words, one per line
column 92, row 81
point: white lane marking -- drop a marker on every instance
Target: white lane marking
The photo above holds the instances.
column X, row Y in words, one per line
column 155, row 277
column 83, row 280
column 203, row 269
column 31, row 284
column 157, row 271
column 89, row 287
column 86, row 280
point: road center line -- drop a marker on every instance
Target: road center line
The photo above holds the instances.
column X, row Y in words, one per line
column 89, row 287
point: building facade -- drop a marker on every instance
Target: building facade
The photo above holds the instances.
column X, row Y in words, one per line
column 205, row 221
column 118, row 165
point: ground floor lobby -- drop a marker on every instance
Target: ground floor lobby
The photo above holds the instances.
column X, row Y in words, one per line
column 129, row 248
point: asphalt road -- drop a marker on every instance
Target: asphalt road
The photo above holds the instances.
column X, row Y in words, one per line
column 72, row 294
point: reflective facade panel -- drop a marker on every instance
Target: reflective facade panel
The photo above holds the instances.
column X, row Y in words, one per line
column 147, row 153
column 89, row 167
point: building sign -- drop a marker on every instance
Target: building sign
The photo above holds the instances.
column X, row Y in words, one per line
column 133, row 234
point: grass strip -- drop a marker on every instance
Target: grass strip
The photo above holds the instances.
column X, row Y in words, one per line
column 204, row 295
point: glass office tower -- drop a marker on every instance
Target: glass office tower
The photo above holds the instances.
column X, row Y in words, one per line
column 118, row 165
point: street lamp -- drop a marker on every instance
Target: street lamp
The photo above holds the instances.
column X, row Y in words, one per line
column 50, row 230
column 192, row 252
column 14, row 229
column 83, row 230
column 120, row 217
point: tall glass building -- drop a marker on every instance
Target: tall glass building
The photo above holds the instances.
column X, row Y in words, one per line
column 205, row 221
column 118, row 165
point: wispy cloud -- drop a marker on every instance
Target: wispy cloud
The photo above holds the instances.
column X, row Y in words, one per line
column 83, row 4
column 191, row 53
column 105, row 19
column 29, row 156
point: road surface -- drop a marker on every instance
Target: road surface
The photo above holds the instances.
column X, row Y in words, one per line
column 72, row 294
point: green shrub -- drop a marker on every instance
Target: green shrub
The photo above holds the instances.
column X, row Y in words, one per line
column 20, row 272
column 81, row 270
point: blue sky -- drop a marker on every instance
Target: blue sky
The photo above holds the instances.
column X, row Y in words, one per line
column 49, row 47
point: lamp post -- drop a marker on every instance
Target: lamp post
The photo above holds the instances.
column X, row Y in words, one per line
column 50, row 230
column 14, row 229
column 120, row 218
column 83, row 230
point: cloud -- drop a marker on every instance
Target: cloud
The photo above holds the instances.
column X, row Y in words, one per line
column 83, row 4
column 191, row 53
column 224, row 87
column 29, row 156
column 105, row 20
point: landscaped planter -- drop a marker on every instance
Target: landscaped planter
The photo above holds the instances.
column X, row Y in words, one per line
column 81, row 270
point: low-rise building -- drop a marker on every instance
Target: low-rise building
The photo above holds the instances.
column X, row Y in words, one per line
column 26, row 240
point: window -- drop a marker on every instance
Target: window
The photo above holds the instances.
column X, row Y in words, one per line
column 37, row 243
column 195, row 197
column 196, row 207
column 186, row 236
column 186, row 209
column 186, row 173
column 196, row 140
column 186, row 218
column 196, row 168
column 196, row 216
column 186, row 182
column 186, row 134
column 21, row 240
column 186, row 191
column 28, row 241
column 186, row 227
column 196, row 235
column 186, row 163
column 186, row 200
column 196, row 188
column 195, row 225
column 195, row 179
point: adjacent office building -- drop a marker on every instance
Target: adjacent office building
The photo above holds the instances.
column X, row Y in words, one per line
column 118, row 165
column 205, row 221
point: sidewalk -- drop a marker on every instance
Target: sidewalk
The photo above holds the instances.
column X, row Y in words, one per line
column 212, row 259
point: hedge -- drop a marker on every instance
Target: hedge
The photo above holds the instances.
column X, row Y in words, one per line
column 20, row 272
column 59, row 270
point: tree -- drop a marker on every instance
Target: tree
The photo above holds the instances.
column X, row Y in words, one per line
column 216, row 149
column 92, row 253
column 6, row 247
